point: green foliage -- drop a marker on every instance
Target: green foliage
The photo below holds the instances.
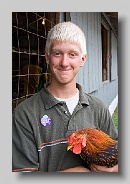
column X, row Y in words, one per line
column 115, row 117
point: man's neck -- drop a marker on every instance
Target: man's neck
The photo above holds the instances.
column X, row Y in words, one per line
column 63, row 90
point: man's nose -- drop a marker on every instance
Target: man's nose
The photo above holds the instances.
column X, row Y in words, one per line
column 64, row 60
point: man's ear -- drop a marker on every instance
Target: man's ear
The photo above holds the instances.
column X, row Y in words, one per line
column 47, row 58
column 83, row 59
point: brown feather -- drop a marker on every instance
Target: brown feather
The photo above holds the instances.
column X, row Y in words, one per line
column 100, row 148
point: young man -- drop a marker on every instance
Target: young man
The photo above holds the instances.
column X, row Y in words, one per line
column 42, row 123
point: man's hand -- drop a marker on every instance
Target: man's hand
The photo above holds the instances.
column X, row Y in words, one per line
column 97, row 168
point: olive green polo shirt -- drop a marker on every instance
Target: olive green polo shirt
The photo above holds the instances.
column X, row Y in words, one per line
column 41, row 125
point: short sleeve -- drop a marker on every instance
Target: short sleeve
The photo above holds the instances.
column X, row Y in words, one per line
column 24, row 150
column 107, row 124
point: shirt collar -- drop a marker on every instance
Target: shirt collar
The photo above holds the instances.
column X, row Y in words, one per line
column 50, row 101
column 82, row 96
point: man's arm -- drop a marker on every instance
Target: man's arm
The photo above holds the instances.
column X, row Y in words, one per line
column 97, row 168
column 76, row 169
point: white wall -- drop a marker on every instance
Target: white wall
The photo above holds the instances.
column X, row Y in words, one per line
column 113, row 105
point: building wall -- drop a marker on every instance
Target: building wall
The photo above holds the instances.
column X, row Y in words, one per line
column 90, row 75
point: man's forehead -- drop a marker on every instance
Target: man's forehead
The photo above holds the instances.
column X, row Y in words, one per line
column 57, row 44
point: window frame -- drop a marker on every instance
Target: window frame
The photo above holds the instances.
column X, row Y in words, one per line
column 105, row 43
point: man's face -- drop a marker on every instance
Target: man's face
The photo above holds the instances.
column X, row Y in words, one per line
column 64, row 61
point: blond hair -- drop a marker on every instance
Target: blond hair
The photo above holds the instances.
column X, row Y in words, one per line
column 66, row 31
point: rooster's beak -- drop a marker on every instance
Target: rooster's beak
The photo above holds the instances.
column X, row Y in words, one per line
column 69, row 147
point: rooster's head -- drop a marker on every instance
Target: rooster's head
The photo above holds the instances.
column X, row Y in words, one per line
column 76, row 142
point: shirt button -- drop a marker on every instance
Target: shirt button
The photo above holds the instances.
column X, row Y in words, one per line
column 61, row 103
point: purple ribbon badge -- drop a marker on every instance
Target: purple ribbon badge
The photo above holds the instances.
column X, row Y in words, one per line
column 45, row 120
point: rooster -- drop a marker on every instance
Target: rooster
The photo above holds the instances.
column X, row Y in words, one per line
column 94, row 146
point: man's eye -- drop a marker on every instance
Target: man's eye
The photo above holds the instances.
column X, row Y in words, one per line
column 72, row 54
column 56, row 54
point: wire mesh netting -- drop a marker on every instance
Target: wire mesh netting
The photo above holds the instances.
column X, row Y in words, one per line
column 29, row 68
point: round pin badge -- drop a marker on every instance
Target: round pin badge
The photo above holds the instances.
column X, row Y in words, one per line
column 45, row 120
